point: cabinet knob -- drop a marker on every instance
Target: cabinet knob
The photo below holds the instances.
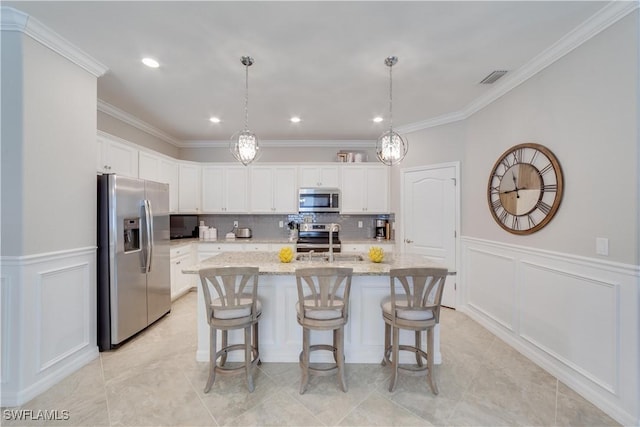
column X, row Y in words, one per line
column 408, row 241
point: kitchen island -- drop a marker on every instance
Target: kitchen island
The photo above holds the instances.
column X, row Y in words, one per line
column 280, row 334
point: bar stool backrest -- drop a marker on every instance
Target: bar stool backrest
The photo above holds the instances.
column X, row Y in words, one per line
column 236, row 289
column 421, row 290
column 323, row 288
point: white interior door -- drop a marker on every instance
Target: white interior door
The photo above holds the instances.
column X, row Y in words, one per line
column 429, row 212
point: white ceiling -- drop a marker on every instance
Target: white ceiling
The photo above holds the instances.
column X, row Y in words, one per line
column 323, row 61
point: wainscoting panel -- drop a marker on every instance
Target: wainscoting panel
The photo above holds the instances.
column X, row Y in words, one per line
column 582, row 308
column 575, row 317
column 61, row 296
column 50, row 321
column 494, row 294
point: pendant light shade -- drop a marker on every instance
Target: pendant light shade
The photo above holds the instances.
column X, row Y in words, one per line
column 391, row 147
column 244, row 144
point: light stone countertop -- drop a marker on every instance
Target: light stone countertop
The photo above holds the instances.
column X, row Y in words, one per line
column 269, row 263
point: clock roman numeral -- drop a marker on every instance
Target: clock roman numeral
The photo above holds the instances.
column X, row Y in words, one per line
column 496, row 205
column 531, row 221
column 546, row 169
column 503, row 216
column 543, row 207
column 550, row 187
column 518, row 155
column 515, row 223
column 494, row 190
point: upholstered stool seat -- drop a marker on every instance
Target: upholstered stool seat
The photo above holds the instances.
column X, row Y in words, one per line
column 235, row 306
column 414, row 304
column 323, row 304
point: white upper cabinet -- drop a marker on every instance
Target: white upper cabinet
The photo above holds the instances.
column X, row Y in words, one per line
column 189, row 188
column 116, row 157
column 273, row 189
column 319, row 176
column 224, row 189
column 365, row 189
column 149, row 166
column 170, row 174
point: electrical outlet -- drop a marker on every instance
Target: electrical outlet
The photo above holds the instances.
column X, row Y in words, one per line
column 235, row 224
column 602, row 246
column 359, row 224
column 281, row 224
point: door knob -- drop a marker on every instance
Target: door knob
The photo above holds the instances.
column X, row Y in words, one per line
column 408, row 241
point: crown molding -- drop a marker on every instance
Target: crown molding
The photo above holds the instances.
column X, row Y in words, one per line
column 15, row 20
column 129, row 119
column 601, row 20
column 353, row 143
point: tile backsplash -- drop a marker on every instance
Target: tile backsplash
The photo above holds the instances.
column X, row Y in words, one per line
column 268, row 226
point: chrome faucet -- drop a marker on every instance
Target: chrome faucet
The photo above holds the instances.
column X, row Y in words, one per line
column 332, row 226
column 310, row 254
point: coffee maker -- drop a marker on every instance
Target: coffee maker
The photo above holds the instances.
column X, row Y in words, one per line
column 382, row 229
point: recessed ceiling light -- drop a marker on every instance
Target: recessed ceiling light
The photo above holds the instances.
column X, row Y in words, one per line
column 150, row 62
column 295, row 119
column 377, row 119
column 214, row 119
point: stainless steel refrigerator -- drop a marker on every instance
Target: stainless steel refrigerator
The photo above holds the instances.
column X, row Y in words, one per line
column 133, row 271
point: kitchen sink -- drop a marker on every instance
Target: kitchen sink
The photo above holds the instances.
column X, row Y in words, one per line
column 323, row 256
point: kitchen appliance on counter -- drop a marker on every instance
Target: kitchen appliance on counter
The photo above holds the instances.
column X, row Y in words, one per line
column 383, row 230
column 315, row 237
column 319, row 200
column 243, row 232
column 133, row 276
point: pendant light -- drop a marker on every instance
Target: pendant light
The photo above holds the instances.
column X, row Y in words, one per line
column 391, row 147
column 244, row 144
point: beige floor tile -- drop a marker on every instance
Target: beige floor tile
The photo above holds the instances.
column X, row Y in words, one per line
column 154, row 397
column 279, row 410
column 376, row 410
column 574, row 410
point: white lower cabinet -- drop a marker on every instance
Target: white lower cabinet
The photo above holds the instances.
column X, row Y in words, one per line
column 181, row 283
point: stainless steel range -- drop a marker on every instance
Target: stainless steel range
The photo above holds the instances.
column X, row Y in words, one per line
column 316, row 237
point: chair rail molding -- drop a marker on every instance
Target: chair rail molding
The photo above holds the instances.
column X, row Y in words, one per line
column 593, row 306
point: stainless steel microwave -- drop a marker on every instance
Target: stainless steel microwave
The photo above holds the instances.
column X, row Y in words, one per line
column 319, row 200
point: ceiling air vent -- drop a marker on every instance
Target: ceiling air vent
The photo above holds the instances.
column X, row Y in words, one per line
column 491, row 78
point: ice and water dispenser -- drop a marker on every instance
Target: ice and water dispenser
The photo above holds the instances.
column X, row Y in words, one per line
column 131, row 234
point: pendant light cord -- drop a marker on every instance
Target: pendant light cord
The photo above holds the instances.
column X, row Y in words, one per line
column 390, row 98
column 246, row 97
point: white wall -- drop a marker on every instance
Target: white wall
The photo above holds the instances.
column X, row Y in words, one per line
column 584, row 108
column 47, row 275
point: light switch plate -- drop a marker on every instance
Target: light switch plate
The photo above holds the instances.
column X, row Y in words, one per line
column 281, row 224
column 602, row 246
column 359, row 224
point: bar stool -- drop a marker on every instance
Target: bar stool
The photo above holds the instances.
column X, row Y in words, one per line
column 323, row 304
column 413, row 305
column 236, row 306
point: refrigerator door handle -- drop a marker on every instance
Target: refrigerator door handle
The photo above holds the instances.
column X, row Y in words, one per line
column 150, row 237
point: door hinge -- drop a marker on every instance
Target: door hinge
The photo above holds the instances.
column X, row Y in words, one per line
column 455, row 233
column 455, row 182
column 455, row 286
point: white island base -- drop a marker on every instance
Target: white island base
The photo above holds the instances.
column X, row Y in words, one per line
column 280, row 333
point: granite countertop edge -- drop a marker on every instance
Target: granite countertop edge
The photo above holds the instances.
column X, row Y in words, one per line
column 269, row 264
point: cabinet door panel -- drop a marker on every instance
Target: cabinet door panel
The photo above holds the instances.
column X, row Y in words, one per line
column 262, row 190
column 236, row 190
column 189, row 196
column 285, row 190
column 149, row 167
column 213, row 189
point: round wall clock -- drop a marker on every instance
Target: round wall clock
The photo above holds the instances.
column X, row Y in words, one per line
column 525, row 188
